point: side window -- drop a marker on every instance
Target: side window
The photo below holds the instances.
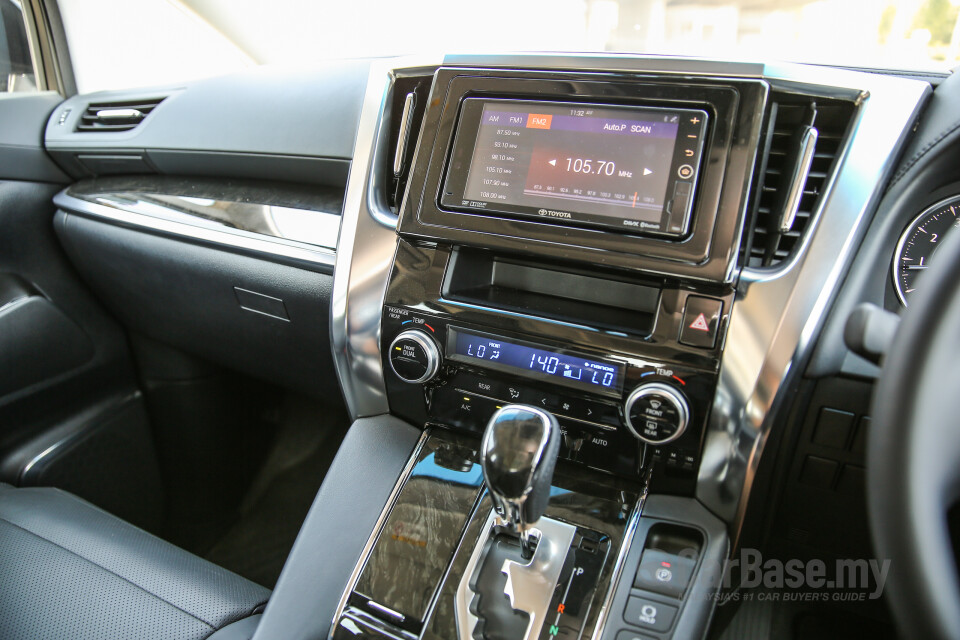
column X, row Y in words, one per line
column 16, row 65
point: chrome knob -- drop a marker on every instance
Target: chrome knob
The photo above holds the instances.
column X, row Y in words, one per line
column 656, row 413
column 414, row 356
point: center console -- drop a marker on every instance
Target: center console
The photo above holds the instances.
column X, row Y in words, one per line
column 566, row 252
column 568, row 241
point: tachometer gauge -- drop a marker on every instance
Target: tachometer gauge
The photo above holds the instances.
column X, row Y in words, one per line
column 919, row 243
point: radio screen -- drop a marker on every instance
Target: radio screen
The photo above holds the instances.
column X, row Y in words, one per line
column 545, row 364
column 631, row 168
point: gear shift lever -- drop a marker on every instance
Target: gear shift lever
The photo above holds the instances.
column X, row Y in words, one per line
column 518, row 455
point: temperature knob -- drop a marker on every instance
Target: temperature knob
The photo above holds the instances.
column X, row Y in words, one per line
column 414, row 356
column 656, row 413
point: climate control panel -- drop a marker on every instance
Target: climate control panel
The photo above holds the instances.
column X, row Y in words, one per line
column 615, row 410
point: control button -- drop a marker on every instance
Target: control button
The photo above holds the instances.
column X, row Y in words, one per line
column 859, row 444
column 685, row 171
column 513, row 392
column 626, row 634
column 540, row 399
column 649, row 614
column 480, row 385
column 664, row 573
column 414, row 356
column 818, row 472
column 569, row 407
column 572, row 439
column 461, row 410
column 680, row 203
column 701, row 317
column 656, row 413
column 833, row 428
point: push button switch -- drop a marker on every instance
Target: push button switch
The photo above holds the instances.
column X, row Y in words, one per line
column 664, row 573
column 480, row 385
column 648, row 614
column 701, row 317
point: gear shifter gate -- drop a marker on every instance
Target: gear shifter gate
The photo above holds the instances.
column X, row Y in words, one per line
column 529, row 585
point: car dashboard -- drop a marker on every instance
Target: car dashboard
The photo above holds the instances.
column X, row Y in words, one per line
column 657, row 251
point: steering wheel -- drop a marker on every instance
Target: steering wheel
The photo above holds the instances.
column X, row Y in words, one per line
column 913, row 457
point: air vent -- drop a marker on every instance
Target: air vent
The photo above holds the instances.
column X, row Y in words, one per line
column 116, row 116
column 406, row 115
column 803, row 137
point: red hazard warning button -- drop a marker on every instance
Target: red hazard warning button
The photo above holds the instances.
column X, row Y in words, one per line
column 701, row 317
column 700, row 324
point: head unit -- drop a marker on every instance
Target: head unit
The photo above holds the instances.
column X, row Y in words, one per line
column 631, row 173
column 627, row 168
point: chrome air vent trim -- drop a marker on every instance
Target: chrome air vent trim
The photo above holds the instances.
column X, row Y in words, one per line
column 368, row 241
column 778, row 312
column 804, row 134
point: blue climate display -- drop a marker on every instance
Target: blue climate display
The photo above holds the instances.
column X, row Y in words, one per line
column 562, row 368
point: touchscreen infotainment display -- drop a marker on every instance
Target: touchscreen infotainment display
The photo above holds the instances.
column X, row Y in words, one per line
column 630, row 168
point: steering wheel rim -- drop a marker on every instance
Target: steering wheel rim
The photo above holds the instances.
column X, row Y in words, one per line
column 913, row 456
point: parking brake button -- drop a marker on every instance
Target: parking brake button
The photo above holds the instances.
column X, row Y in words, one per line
column 664, row 573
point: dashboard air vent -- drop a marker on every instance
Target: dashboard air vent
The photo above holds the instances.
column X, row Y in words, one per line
column 407, row 106
column 802, row 139
column 116, row 116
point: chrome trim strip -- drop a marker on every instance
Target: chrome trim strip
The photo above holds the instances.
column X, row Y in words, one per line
column 368, row 547
column 632, row 524
column 43, row 454
column 368, row 242
column 386, row 610
column 13, row 304
column 235, row 239
column 629, row 63
column 798, row 180
column 777, row 313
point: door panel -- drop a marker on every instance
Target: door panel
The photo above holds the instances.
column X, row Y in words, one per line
column 71, row 414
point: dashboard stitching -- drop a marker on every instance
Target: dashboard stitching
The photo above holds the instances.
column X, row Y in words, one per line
column 922, row 152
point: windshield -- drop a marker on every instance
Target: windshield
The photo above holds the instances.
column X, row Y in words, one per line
column 126, row 43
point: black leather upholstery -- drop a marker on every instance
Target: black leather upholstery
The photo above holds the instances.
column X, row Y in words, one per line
column 71, row 570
